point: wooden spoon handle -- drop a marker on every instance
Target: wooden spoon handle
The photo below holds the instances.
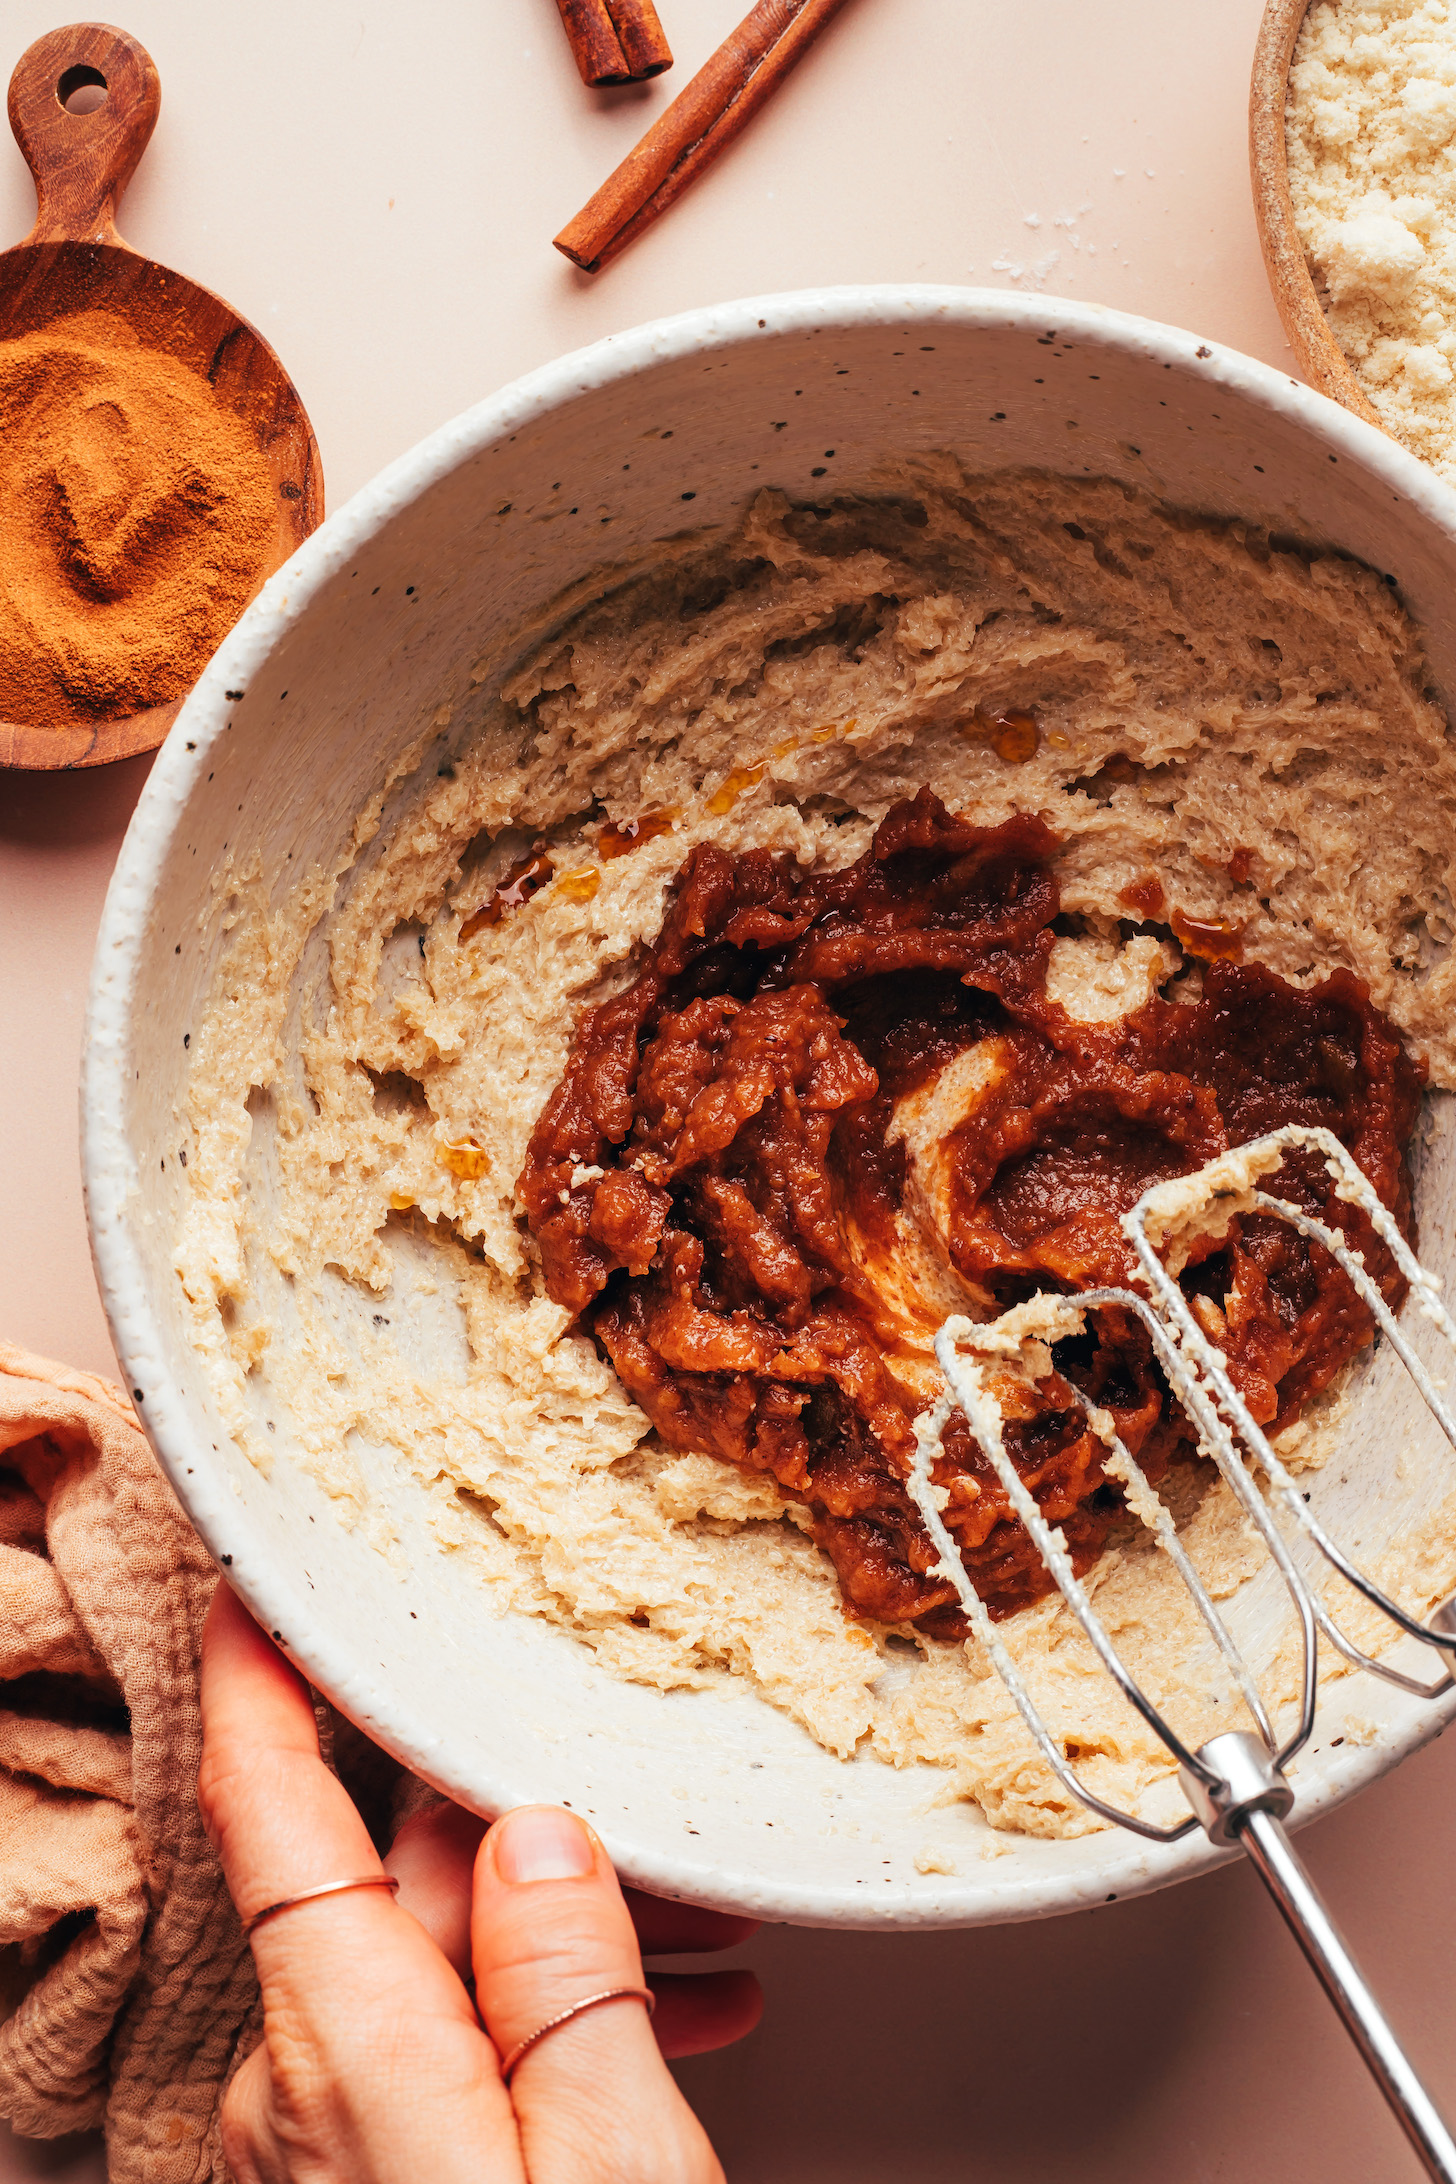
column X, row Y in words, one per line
column 82, row 161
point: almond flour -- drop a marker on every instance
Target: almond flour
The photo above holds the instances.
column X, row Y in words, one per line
column 1371, row 132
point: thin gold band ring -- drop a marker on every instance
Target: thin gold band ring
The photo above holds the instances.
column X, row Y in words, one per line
column 564, row 2017
column 328, row 1888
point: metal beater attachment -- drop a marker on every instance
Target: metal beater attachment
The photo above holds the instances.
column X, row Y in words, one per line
column 1235, row 1783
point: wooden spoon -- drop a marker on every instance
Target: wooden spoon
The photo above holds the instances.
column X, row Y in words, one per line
column 1323, row 360
column 74, row 260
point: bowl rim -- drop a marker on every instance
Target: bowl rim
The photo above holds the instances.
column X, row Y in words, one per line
column 107, row 1165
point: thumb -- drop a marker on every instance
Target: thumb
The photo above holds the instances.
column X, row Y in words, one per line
column 594, row 2100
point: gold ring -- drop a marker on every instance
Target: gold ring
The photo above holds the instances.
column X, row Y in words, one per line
column 328, row 1888
column 563, row 2017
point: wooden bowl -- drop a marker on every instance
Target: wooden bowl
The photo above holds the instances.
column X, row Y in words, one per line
column 74, row 260
column 1321, row 358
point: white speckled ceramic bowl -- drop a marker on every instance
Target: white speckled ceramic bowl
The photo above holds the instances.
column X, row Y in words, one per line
column 709, row 1795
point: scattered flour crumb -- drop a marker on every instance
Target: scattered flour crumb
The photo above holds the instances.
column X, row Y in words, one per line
column 930, row 1859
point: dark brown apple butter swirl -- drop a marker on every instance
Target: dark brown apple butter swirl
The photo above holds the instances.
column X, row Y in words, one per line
column 833, row 1106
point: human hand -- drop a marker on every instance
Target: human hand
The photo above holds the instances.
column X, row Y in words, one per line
column 375, row 2066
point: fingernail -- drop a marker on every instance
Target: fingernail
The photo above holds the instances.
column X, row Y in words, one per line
column 541, row 1843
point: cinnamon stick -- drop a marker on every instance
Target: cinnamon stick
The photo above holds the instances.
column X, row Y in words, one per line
column 615, row 41
column 701, row 122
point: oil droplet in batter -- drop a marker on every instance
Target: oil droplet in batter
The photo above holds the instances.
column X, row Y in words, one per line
column 466, row 1159
column 518, row 886
column 1013, row 736
column 619, row 841
column 580, row 885
column 1016, row 739
column 1209, row 938
column 742, row 777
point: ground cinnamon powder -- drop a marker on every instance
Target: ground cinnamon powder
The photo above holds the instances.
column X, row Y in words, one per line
column 137, row 518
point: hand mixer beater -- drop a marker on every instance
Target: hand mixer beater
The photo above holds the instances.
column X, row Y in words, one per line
column 1236, row 1782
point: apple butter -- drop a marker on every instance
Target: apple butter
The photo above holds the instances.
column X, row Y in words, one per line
column 834, row 1106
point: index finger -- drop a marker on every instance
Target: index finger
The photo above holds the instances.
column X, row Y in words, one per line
column 281, row 1822
column 374, row 2059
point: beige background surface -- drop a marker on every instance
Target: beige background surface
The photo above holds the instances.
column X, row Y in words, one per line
column 377, row 188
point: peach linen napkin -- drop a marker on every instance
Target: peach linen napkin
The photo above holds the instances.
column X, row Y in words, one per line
column 125, row 1981
column 127, row 1995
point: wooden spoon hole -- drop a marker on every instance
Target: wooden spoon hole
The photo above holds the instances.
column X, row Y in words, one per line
column 82, row 89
